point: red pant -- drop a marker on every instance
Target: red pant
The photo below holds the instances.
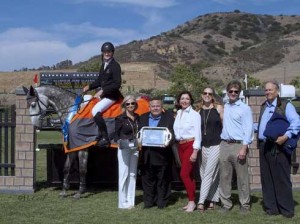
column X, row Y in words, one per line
column 185, row 151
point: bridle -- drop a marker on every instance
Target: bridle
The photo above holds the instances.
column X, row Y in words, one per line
column 43, row 113
column 35, row 99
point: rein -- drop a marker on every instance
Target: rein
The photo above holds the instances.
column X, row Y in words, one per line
column 43, row 113
column 37, row 100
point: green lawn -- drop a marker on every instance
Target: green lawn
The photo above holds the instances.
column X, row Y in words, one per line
column 100, row 206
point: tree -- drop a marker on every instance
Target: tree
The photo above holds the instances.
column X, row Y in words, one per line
column 296, row 82
column 93, row 66
column 253, row 82
column 64, row 64
column 185, row 78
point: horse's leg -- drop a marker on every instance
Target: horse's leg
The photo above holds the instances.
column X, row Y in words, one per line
column 83, row 159
column 66, row 171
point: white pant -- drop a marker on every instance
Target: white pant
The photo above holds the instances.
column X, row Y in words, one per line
column 102, row 105
column 128, row 160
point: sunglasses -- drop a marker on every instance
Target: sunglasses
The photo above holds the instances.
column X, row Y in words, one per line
column 132, row 103
column 233, row 91
column 207, row 93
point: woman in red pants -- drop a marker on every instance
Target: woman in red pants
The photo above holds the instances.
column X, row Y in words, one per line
column 187, row 128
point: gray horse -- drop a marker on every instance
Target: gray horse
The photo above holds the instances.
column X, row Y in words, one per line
column 39, row 100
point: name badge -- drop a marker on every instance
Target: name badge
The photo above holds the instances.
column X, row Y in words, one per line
column 131, row 144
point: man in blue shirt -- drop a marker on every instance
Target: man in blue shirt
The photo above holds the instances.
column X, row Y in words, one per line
column 157, row 162
column 275, row 163
column 237, row 134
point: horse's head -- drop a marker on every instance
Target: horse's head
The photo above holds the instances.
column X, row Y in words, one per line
column 37, row 104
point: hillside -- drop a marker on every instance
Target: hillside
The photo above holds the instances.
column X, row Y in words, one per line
column 232, row 44
column 135, row 76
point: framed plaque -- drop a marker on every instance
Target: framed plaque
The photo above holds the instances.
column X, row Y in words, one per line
column 154, row 136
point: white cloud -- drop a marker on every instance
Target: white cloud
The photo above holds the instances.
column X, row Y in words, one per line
column 257, row 2
column 143, row 3
column 84, row 29
column 24, row 34
column 38, row 53
column 31, row 48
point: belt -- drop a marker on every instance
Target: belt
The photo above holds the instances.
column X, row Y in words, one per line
column 262, row 140
column 186, row 140
column 232, row 141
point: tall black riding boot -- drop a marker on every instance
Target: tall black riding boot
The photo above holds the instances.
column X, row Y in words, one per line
column 103, row 139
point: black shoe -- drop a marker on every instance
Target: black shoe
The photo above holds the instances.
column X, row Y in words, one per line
column 161, row 206
column 270, row 213
column 289, row 215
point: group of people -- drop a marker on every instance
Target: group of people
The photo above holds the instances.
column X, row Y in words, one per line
column 216, row 135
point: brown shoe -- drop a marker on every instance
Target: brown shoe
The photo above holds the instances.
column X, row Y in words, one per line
column 201, row 208
column 211, row 206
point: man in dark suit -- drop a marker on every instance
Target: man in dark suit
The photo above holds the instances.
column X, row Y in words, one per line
column 157, row 162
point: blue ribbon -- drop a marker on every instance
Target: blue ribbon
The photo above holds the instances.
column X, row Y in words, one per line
column 72, row 111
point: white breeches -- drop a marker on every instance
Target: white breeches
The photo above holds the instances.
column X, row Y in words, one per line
column 102, row 105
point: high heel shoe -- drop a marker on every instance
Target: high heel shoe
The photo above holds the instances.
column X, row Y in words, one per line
column 191, row 207
column 211, row 206
column 201, row 208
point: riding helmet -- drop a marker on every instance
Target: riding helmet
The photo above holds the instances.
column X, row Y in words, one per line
column 108, row 46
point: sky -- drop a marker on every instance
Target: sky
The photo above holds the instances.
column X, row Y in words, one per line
column 35, row 33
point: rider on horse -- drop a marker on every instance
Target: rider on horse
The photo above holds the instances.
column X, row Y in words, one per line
column 109, row 81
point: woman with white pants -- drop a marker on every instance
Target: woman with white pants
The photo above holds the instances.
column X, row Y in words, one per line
column 125, row 134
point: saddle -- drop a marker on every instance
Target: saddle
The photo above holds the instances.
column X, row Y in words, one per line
column 83, row 131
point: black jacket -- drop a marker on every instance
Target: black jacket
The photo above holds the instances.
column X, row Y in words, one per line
column 125, row 128
column 155, row 155
column 109, row 80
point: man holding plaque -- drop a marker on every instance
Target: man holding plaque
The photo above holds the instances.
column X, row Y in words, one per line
column 157, row 161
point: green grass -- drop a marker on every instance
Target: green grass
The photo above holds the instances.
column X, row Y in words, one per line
column 100, row 206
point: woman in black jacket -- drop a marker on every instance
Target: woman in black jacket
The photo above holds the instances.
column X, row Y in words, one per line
column 126, row 127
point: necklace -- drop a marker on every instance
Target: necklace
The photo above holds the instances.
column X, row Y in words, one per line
column 205, row 120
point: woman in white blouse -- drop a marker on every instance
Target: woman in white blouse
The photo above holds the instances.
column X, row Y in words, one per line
column 187, row 128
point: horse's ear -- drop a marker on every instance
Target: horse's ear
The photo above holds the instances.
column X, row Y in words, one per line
column 25, row 90
column 31, row 91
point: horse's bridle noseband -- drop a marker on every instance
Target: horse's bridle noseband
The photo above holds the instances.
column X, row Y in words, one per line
column 36, row 99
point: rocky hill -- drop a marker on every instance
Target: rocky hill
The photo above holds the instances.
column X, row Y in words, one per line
column 233, row 44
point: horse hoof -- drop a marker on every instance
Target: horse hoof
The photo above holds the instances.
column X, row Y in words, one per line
column 77, row 195
column 63, row 194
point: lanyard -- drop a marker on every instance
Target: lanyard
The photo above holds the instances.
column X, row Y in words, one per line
column 134, row 131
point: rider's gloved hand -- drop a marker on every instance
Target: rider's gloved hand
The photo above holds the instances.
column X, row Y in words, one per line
column 86, row 88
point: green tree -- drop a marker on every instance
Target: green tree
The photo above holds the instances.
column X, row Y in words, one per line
column 185, row 78
column 253, row 82
column 93, row 66
column 296, row 82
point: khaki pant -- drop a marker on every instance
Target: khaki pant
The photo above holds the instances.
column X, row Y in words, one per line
column 228, row 162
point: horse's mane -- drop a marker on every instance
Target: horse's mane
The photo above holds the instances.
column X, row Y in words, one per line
column 50, row 89
column 61, row 99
